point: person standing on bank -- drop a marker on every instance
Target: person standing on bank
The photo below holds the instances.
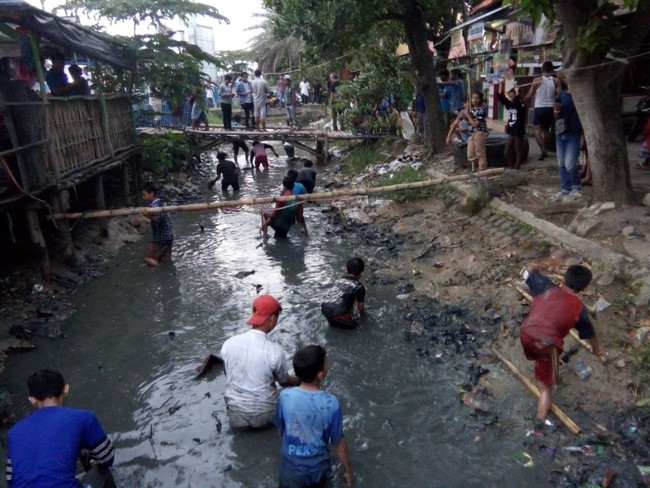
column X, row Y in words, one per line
column 225, row 95
column 332, row 87
column 304, row 91
column 477, row 118
column 229, row 171
column 254, row 364
column 290, row 102
column 43, row 448
column 245, row 93
column 568, row 133
column 162, row 234
column 516, row 127
column 544, row 88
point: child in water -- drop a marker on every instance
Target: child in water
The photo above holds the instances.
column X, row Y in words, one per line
column 348, row 290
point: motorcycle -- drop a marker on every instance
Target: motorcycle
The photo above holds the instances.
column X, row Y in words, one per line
column 642, row 111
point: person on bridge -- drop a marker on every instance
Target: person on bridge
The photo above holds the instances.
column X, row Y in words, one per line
column 309, row 420
column 162, row 234
column 254, row 364
column 226, row 94
column 229, row 171
column 245, row 93
column 554, row 312
column 338, row 305
column 261, row 92
column 258, row 154
column 43, row 448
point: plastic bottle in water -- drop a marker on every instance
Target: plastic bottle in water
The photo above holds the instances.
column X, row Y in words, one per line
column 583, row 371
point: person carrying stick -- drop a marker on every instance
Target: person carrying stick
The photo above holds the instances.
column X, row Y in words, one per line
column 554, row 312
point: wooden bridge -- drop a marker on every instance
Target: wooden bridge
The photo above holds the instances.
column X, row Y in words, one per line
column 203, row 140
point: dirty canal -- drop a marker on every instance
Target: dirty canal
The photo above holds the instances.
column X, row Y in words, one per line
column 133, row 346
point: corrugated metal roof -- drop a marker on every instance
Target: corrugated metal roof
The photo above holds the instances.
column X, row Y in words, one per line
column 67, row 34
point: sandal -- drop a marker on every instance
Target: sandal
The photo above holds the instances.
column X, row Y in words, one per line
column 642, row 166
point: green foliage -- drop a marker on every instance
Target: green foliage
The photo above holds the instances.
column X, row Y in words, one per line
column 163, row 153
column 641, row 363
column 406, row 174
column 360, row 157
column 167, row 67
column 148, row 12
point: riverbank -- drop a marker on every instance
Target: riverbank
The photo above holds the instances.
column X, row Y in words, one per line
column 459, row 278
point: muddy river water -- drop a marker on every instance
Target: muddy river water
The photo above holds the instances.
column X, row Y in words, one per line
column 133, row 346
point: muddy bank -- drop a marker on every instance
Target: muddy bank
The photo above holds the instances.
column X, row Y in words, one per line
column 456, row 270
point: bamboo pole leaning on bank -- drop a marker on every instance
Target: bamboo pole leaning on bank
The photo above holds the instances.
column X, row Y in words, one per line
column 572, row 332
column 564, row 418
column 330, row 195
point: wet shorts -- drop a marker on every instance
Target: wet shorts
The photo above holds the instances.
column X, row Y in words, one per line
column 263, row 160
column 157, row 252
column 247, row 421
column 545, row 357
column 343, row 321
column 543, row 116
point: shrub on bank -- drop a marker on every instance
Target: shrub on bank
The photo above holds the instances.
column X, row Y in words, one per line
column 162, row 153
column 406, row 174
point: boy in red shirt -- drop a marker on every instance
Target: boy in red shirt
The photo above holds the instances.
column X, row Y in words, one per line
column 554, row 312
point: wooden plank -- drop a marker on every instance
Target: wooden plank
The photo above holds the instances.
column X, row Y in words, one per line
column 36, row 235
column 570, row 424
column 101, row 203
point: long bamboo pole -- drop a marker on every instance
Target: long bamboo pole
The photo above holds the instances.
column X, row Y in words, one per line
column 573, row 332
column 564, row 418
column 331, row 195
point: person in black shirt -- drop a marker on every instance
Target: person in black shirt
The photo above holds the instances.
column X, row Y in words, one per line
column 348, row 290
column 307, row 176
column 229, row 171
column 516, row 127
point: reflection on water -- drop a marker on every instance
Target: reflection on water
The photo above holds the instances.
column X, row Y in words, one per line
column 139, row 334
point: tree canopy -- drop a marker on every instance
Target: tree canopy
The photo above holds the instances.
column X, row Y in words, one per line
column 168, row 67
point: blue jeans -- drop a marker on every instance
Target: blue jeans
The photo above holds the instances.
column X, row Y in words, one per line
column 568, row 152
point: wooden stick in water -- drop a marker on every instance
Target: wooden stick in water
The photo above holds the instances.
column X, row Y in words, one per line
column 570, row 424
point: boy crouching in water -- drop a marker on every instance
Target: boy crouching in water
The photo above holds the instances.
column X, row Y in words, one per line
column 309, row 419
column 162, row 234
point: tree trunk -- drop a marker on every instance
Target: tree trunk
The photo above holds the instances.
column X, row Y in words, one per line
column 603, row 127
column 595, row 84
column 422, row 61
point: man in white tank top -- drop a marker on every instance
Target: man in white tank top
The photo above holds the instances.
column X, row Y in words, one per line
column 544, row 88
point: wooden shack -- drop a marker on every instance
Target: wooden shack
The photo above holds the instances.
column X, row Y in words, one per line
column 52, row 145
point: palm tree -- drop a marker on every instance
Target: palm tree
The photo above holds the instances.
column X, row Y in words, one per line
column 273, row 53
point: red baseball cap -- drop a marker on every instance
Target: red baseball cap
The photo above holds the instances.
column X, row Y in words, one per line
column 263, row 307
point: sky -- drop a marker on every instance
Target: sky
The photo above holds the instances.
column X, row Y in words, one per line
column 227, row 37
